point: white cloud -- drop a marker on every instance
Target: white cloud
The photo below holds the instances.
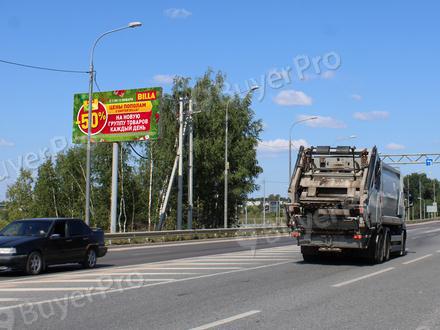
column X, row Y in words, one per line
column 322, row 121
column 279, row 145
column 356, row 97
column 328, row 75
column 164, row 79
column 395, row 146
column 6, row 143
column 292, row 98
column 372, row 115
column 177, row 13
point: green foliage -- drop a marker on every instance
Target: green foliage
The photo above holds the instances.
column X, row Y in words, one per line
column 59, row 188
column 46, row 191
column 417, row 181
column 20, row 199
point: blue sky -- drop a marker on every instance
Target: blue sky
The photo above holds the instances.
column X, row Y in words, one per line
column 384, row 89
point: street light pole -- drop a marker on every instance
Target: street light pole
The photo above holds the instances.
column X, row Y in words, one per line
column 290, row 141
column 253, row 88
column 90, row 116
column 420, row 198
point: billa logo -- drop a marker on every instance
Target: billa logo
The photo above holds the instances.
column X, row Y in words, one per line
column 146, row 96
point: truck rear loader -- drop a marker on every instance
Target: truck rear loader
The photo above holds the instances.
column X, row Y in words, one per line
column 346, row 200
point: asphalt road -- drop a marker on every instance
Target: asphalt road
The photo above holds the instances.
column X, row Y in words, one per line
column 243, row 284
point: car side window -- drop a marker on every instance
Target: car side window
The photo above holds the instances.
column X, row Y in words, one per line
column 60, row 228
column 77, row 228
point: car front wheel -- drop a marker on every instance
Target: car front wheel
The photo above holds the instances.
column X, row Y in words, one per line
column 90, row 259
column 34, row 264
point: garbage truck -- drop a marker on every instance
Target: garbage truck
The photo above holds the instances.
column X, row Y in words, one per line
column 345, row 200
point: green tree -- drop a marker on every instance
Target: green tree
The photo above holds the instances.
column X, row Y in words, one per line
column 19, row 197
column 46, row 191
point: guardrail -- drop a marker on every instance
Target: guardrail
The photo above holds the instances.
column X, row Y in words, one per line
column 179, row 235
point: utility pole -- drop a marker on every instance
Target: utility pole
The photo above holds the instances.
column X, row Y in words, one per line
column 407, row 197
column 420, row 197
column 180, row 169
column 264, row 202
column 90, row 123
column 225, row 217
column 279, row 211
column 151, row 186
column 245, row 213
column 190, row 166
column 114, row 197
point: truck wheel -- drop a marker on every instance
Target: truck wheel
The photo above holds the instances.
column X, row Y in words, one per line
column 376, row 251
column 403, row 244
column 387, row 245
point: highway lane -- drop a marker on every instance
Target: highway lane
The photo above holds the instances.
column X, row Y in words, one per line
column 265, row 288
column 132, row 255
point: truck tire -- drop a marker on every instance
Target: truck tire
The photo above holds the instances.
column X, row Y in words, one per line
column 386, row 245
column 403, row 244
column 310, row 253
column 376, row 249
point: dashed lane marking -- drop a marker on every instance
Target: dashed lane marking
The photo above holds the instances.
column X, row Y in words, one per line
column 338, row 285
column 227, row 320
column 417, row 259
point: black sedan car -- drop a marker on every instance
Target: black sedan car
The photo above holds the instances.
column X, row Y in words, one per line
column 33, row 244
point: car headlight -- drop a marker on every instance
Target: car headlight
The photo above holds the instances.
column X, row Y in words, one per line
column 8, row 250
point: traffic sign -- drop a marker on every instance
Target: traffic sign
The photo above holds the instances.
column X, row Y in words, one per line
column 428, row 161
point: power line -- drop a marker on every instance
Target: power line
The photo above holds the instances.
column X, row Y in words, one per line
column 136, row 152
column 42, row 67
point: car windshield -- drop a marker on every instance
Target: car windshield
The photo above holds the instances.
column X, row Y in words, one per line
column 26, row 228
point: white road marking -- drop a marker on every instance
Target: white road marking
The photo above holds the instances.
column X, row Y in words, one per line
column 10, row 299
column 438, row 251
column 429, row 231
column 196, row 243
column 416, row 259
column 202, row 263
column 242, row 258
column 187, row 268
column 227, row 320
column 97, row 280
column 99, row 288
column 67, row 298
column 123, row 274
column 362, row 277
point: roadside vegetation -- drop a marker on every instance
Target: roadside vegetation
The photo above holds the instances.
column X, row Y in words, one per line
column 57, row 189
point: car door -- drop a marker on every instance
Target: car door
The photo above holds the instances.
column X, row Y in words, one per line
column 79, row 237
column 59, row 246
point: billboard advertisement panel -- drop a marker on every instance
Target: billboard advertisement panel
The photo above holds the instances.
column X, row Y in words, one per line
column 122, row 115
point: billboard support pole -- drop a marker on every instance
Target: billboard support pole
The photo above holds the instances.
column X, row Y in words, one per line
column 114, row 197
column 180, row 170
column 190, row 167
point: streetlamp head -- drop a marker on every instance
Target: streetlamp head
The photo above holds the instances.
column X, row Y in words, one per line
column 313, row 118
column 253, row 88
column 134, row 24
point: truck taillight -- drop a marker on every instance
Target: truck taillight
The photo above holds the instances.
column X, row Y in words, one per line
column 357, row 237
